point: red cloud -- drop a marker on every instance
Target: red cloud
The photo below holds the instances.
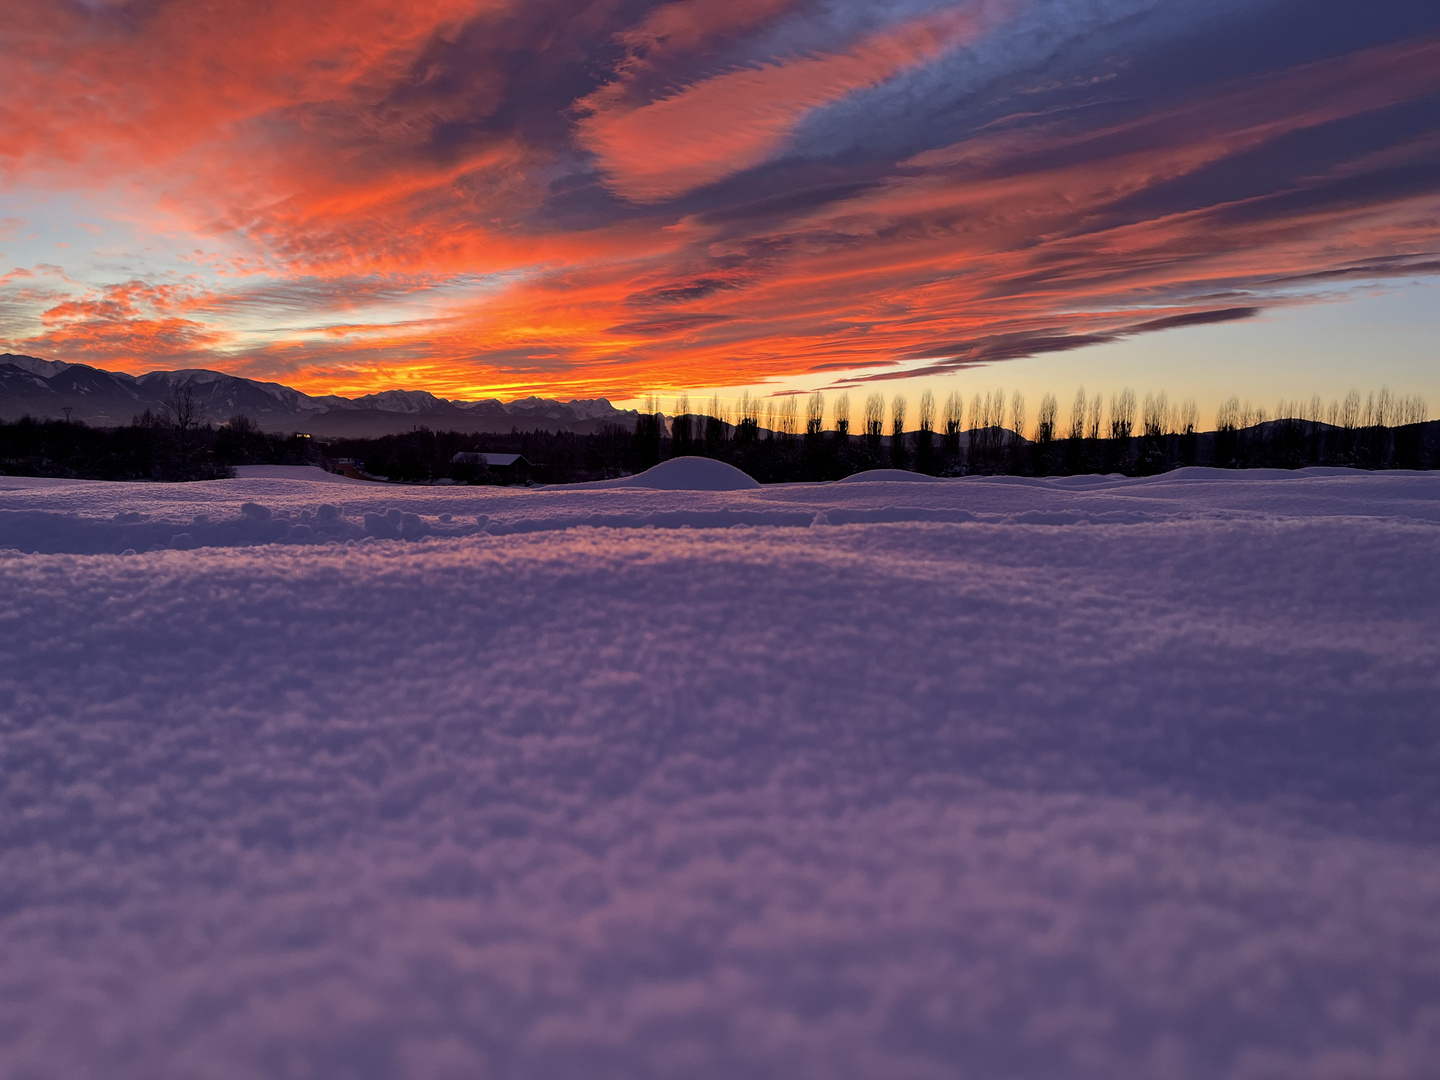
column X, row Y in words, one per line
column 735, row 120
column 132, row 326
column 90, row 84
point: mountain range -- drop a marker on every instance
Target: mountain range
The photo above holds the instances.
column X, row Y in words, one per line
column 54, row 389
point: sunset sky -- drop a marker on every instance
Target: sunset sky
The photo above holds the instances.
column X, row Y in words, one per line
column 573, row 199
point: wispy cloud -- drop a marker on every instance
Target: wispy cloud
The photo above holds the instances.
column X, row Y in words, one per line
column 734, row 121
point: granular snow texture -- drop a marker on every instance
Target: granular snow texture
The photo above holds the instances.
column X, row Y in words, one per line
column 992, row 779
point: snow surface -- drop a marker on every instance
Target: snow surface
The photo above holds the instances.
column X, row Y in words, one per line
column 1011, row 778
column 293, row 472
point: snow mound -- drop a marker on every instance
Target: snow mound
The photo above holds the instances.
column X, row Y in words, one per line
column 691, row 474
column 889, row 476
column 37, row 483
column 293, row 472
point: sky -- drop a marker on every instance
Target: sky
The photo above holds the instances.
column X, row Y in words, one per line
column 575, row 199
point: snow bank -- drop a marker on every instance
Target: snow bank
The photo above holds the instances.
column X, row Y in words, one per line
column 293, row 472
column 888, row 476
column 1008, row 795
column 311, row 507
column 685, row 474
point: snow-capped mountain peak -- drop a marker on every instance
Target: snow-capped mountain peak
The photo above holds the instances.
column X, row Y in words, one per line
column 47, row 388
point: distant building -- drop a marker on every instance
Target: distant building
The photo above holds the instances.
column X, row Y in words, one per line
column 350, row 467
column 508, row 467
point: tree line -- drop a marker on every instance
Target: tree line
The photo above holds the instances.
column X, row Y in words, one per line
column 792, row 438
column 178, row 443
column 994, row 433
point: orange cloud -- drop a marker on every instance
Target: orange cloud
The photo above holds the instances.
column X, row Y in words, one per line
column 412, row 198
column 93, row 86
column 733, row 121
column 128, row 326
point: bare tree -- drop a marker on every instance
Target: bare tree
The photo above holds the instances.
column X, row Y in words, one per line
column 1409, row 414
column 1350, row 411
column 1122, row 426
column 814, row 415
column 898, row 410
column 1046, row 420
column 842, row 416
column 1189, row 425
column 954, row 416
column 242, row 425
column 789, row 417
column 927, row 411
column 186, row 414
column 1077, row 416
column 975, row 438
column 747, row 426
column 1374, row 421
column 995, row 412
column 682, row 431
column 1227, row 427
column 1227, row 417
column 986, row 441
column 649, row 427
column 1288, row 436
column 1384, row 408
column 1075, row 437
column 1155, row 415
column 1122, row 415
column 1314, row 432
column 1189, row 417
column 924, row 434
column 1349, row 423
column 1154, row 427
column 1046, row 423
column 1345, row 417
column 874, row 421
column 715, row 433
column 995, row 426
column 182, row 408
column 1251, row 435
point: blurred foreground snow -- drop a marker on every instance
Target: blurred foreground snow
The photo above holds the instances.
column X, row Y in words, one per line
column 1078, row 778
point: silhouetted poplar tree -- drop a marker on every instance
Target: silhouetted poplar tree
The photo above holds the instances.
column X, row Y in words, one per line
column 898, row 409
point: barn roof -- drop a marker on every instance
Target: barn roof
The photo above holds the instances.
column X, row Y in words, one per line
column 472, row 457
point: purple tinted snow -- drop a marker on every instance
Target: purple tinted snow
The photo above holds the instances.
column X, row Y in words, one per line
column 914, row 796
column 96, row 518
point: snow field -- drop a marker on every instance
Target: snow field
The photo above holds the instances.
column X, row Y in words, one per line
column 306, row 506
column 1107, row 779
